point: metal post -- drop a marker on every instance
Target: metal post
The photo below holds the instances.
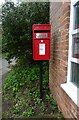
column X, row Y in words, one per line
column 41, row 79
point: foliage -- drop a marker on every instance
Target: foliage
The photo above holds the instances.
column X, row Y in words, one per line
column 52, row 101
column 4, row 54
column 21, row 87
column 17, row 24
column 20, row 77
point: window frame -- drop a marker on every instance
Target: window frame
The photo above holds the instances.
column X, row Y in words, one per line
column 70, row 88
column 71, row 33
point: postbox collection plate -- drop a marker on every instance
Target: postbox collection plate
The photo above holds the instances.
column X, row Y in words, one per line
column 42, row 49
column 41, row 35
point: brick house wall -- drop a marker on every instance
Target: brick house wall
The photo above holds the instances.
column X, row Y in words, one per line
column 60, row 20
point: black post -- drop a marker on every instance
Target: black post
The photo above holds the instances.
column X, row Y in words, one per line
column 41, row 79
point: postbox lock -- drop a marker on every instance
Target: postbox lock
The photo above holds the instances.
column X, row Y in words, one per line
column 41, row 40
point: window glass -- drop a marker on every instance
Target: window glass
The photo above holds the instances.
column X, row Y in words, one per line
column 75, row 47
column 76, row 18
column 75, row 73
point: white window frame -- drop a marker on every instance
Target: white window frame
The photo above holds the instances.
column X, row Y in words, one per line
column 70, row 88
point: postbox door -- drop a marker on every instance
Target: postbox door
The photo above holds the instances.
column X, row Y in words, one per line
column 41, row 49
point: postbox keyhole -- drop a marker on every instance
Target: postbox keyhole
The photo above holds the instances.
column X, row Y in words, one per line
column 42, row 41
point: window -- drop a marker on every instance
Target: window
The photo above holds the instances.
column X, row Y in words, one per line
column 75, row 73
column 74, row 57
column 75, row 46
column 72, row 85
column 76, row 10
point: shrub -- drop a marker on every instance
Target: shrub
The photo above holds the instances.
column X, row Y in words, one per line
column 17, row 24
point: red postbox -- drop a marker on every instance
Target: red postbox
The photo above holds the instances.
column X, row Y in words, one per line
column 41, row 41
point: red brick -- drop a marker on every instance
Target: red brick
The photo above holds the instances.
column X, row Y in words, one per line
column 60, row 20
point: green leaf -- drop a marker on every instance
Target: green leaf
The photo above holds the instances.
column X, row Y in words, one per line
column 17, row 24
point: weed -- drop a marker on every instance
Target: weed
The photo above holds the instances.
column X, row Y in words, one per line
column 43, row 106
column 28, row 112
column 23, row 86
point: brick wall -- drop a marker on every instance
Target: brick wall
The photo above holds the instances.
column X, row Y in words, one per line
column 59, row 19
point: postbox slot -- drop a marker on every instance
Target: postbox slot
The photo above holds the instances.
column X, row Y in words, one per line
column 35, row 31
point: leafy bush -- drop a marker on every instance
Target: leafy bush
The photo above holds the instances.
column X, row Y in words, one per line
column 17, row 24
